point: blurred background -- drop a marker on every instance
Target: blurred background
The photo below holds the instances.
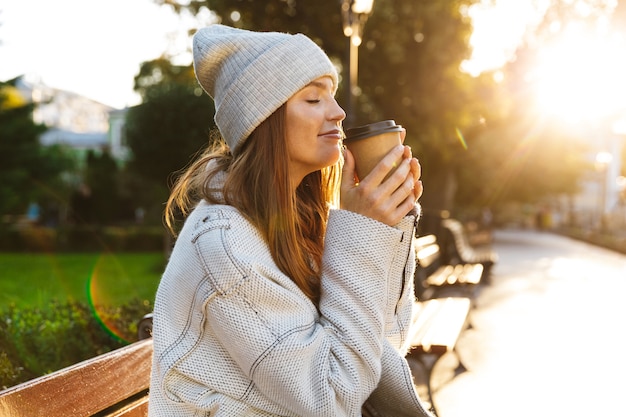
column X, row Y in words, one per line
column 515, row 109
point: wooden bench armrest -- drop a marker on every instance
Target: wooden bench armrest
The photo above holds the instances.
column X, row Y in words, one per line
column 87, row 387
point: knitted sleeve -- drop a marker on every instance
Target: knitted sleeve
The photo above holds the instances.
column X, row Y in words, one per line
column 397, row 274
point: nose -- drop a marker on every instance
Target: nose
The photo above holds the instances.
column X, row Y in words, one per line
column 336, row 112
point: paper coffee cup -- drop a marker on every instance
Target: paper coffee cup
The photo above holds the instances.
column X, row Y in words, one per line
column 370, row 143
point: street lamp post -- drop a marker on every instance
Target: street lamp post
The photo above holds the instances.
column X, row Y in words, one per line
column 354, row 14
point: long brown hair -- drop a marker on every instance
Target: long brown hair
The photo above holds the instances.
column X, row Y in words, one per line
column 258, row 185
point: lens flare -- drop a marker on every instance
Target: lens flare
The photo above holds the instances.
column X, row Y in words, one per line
column 100, row 294
column 461, row 138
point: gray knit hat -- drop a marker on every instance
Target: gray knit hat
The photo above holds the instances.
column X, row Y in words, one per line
column 251, row 74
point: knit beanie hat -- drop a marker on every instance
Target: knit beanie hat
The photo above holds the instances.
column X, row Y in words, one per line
column 250, row 75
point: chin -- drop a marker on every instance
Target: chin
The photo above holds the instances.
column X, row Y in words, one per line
column 332, row 159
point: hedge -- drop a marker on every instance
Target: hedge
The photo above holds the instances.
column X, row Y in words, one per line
column 34, row 342
column 82, row 239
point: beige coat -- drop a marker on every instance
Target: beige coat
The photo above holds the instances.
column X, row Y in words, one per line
column 234, row 336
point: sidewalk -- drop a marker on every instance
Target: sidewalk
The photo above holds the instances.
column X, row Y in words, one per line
column 546, row 337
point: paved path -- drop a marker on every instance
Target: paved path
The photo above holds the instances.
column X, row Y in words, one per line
column 548, row 336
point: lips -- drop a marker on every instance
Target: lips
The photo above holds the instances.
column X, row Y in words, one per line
column 333, row 133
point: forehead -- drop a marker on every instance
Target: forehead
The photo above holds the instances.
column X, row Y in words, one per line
column 322, row 83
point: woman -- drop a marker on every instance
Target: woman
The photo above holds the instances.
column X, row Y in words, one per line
column 275, row 303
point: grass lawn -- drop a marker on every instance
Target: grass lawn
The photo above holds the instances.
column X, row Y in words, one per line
column 33, row 280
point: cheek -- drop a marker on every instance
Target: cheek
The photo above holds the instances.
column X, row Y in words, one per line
column 303, row 134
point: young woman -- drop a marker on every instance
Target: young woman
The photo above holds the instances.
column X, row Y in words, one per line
column 289, row 290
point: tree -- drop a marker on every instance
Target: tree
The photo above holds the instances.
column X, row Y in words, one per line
column 30, row 172
column 102, row 180
column 465, row 130
column 165, row 132
column 410, row 72
column 409, row 67
column 528, row 157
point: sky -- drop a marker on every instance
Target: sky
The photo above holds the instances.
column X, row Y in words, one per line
column 90, row 47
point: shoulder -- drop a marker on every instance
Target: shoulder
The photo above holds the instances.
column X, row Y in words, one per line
column 208, row 217
column 224, row 243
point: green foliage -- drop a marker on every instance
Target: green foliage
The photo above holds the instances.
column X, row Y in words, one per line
column 319, row 19
column 474, row 145
column 30, row 172
column 59, row 309
column 408, row 70
column 522, row 155
column 165, row 132
column 157, row 76
column 36, row 341
column 102, row 180
column 521, row 162
column 69, row 239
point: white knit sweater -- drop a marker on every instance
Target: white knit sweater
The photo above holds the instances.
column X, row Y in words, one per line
column 234, row 336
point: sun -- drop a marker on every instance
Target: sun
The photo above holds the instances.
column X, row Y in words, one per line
column 577, row 77
column 580, row 77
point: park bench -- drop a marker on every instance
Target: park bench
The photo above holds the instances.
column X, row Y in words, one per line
column 437, row 322
column 114, row 384
column 435, row 277
column 458, row 249
column 436, row 326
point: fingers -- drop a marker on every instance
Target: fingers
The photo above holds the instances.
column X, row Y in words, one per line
column 387, row 200
column 348, row 173
column 416, row 170
column 389, row 162
column 405, row 186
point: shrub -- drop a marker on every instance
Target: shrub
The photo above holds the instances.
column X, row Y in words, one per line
column 35, row 342
column 81, row 239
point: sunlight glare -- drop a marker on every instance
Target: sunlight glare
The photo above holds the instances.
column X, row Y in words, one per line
column 498, row 28
column 581, row 77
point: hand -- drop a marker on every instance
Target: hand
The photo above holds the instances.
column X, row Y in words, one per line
column 386, row 200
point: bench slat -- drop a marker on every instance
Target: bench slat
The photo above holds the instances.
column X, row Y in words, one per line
column 437, row 324
column 434, row 276
column 103, row 381
column 456, row 274
column 138, row 408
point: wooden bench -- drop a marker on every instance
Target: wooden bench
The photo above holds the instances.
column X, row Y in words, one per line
column 113, row 384
column 458, row 249
column 437, row 324
column 435, row 329
column 434, row 277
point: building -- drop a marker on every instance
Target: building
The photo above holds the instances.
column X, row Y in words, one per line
column 601, row 202
column 76, row 121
